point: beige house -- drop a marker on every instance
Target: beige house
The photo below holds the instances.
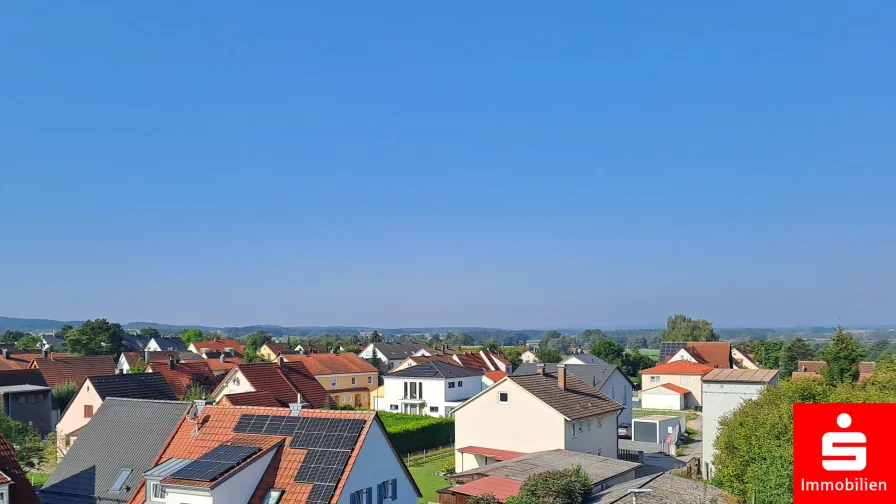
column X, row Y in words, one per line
column 743, row 360
column 681, row 373
column 95, row 390
column 529, row 357
column 565, row 412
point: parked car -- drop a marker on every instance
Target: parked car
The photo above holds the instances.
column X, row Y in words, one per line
column 624, row 430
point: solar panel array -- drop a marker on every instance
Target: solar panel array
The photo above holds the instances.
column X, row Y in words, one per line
column 329, row 443
column 215, row 463
column 667, row 350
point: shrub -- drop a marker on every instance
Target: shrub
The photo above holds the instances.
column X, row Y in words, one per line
column 412, row 433
column 63, row 394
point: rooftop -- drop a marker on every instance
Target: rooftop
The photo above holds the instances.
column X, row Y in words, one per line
column 669, row 386
column 61, row 370
column 595, row 375
column 328, row 363
column 133, row 386
column 435, row 369
column 20, row 489
column 499, row 455
column 741, row 375
column 501, row 488
column 22, row 377
column 578, row 400
column 665, row 488
column 678, row 368
column 12, row 389
column 656, row 418
column 281, row 382
column 519, row 468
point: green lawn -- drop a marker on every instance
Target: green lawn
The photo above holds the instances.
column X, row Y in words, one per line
column 428, row 480
column 37, row 478
column 653, row 353
column 687, row 414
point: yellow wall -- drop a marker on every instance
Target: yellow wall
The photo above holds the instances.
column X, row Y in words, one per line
column 695, row 386
column 265, row 353
column 344, row 381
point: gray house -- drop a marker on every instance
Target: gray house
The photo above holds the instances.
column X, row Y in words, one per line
column 606, row 378
column 27, row 398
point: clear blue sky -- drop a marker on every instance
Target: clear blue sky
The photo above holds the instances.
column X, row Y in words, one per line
column 525, row 164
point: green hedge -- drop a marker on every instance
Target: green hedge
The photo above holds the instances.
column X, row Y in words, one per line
column 413, row 433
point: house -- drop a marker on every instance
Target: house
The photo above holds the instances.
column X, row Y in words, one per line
column 50, row 342
column 271, row 384
column 61, row 370
column 160, row 343
column 97, row 389
column 715, row 354
column 221, row 365
column 432, row 388
column 309, row 348
column 391, row 353
column 14, row 485
column 346, row 377
column 225, row 454
column 27, row 398
column 529, row 357
column 604, row 472
column 229, row 347
column 607, row 378
column 743, row 360
column 662, row 488
column 127, row 360
column 583, row 358
column 724, row 390
column 21, row 359
column 667, row 396
column 683, row 373
column 181, row 376
column 270, row 350
column 814, row 369
column 483, row 361
column 134, row 342
column 564, row 411
column 114, row 449
column 490, row 378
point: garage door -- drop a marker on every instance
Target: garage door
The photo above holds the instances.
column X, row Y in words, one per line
column 644, row 431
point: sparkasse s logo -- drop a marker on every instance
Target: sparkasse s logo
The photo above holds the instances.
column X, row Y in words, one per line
column 840, row 453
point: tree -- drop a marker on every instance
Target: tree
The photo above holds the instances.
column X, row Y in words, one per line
column 25, row 441
column 490, row 346
column 30, row 342
column 547, row 337
column 150, row 332
column 878, row 348
column 608, row 350
column 11, row 336
column 63, row 395
column 843, row 356
column 682, row 328
column 590, row 337
column 564, row 486
column 138, row 367
column 190, row 336
column 548, row 356
column 768, row 354
column 95, row 337
column 483, row 499
column 253, row 343
column 63, row 331
column 634, row 361
column 513, row 354
column 794, row 351
column 375, row 337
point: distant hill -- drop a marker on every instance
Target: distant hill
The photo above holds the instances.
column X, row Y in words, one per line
column 33, row 325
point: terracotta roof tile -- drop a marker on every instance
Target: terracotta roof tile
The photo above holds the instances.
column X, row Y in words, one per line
column 20, row 491
column 327, row 363
column 678, row 367
column 716, row 354
column 181, row 374
column 285, row 381
column 578, row 400
column 669, row 386
column 228, row 364
column 501, row 488
column 219, row 346
column 495, row 376
column 162, row 356
column 811, row 366
column 21, row 359
column 60, row 370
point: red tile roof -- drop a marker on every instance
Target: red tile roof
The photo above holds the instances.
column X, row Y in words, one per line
column 498, row 455
column 20, row 491
column 284, row 382
column 669, row 386
column 501, row 488
column 219, row 346
column 261, row 398
column 495, row 376
column 61, row 370
column 678, row 367
column 162, row 356
column 183, row 373
column 716, row 354
column 811, row 366
column 21, row 359
column 327, row 363
column 276, row 347
column 228, row 364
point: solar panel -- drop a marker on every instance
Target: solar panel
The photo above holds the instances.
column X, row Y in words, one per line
column 230, row 453
column 320, row 494
column 202, row 470
column 668, row 349
column 322, row 466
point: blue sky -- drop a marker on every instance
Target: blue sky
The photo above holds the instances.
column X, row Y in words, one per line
column 472, row 163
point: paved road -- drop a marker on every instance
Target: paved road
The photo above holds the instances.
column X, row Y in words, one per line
column 695, row 448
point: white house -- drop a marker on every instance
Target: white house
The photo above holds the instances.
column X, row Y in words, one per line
column 607, row 378
column 390, row 353
column 667, row 396
column 533, row 413
column 529, row 357
column 431, row 388
column 159, row 343
column 724, row 390
column 584, row 359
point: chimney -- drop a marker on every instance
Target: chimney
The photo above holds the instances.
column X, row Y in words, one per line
column 170, row 362
column 5, row 353
column 561, row 376
column 539, row 368
column 296, row 407
column 223, row 359
column 200, row 403
column 46, row 352
column 146, row 356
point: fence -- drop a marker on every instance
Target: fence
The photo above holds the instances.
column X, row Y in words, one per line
column 422, row 457
column 630, row 455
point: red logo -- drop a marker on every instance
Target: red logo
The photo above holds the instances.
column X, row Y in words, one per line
column 840, row 453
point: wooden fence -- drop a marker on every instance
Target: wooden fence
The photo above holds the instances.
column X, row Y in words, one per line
column 422, row 457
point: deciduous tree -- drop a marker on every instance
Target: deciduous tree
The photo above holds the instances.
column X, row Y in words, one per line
column 843, row 356
column 549, row 356
column 794, row 351
column 609, row 351
column 95, row 337
column 682, row 328
column 30, row 342
column 190, row 336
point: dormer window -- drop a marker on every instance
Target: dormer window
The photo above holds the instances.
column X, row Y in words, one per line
column 154, row 491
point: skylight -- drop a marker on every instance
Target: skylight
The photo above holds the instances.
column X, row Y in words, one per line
column 273, row 496
column 119, row 481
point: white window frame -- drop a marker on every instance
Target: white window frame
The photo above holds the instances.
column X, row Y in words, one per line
column 433, row 409
column 654, row 379
column 155, row 492
column 332, row 382
column 393, row 407
column 573, row 428
column 451, row 384
column 370, row 380
column 354, row 380
column 460, row 383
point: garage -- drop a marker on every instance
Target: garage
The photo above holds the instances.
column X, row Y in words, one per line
column 664, row 397
column 656, row 428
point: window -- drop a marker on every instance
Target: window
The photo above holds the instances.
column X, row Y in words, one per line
column 387, row 491
column 354, row 380
column 654, row 379
column 581, row 426
column 154, row 492
column 685, row 380
column 21, row 398
column 433, row 409
column 451, row 384
column 2, row 496
column 598, row 423
column 273, row 496
column 393, row 407
column 333, row 383
column 573, row 429
column 30, row 397
column 344, row 400
column 363, row 496
column 68, row 441
column 119, row 481
column 370, row 380
column 589, row 424
column 88, row 411
column 624, row 399
column 40, row 398
column 460, row 383
column 503, row 397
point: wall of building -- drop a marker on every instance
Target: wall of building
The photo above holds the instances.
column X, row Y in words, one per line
column 600, row 438
column 239, row 487
column 745, row 361
column 35, row 412
column 690, row 382
column 376, row 462
column 344, row 381
column 662, row 399
column 524, row 424
column 233, row 384
column 393, row 392
column 719, row 399
column 179, row 496
column 266, row 353
column 73, row 418
column 464, row 388
column 620, row 390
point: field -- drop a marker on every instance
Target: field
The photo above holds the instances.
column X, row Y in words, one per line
column 428, row 480
column 653, row 353
column 37, row 478
column 687, row 414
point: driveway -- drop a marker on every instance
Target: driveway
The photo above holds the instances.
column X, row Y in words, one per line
column 694, row 448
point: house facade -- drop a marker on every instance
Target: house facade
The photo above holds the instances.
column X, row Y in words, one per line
column 26, row 398
column 347, row 378
column 432, row 388
column 271, row 384
column 682, row 373
column 565, row 412
column 723, row 392
column 160, row 343
column 391, row 353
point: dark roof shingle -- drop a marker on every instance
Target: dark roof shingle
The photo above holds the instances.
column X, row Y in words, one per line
column 578, row 400
column 435, row 369
column 133, row 386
